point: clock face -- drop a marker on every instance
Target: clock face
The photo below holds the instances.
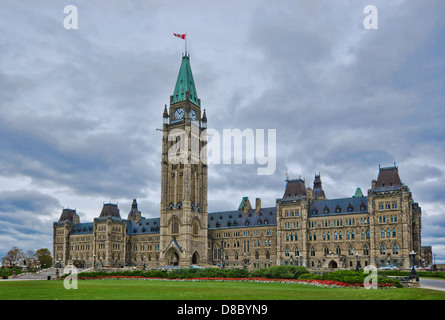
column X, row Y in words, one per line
column 179, row 113
column 193, row 115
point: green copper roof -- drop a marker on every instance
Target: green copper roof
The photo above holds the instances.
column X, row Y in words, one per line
column 185, row 83
column 358, row 193
column 241, row 205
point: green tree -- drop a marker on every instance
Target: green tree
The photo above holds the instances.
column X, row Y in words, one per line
column 44, row 257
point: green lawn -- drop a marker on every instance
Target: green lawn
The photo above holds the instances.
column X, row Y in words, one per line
column 176, row 290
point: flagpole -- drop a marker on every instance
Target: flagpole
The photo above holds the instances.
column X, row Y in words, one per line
column 185, row 44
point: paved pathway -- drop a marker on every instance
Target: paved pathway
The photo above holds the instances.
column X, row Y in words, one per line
column 434, row 284
column 42, row 275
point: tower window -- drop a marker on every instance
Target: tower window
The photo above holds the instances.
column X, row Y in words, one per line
column 175, row 226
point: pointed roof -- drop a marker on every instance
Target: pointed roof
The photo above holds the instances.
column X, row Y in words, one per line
column 295, row 189
column 67, row 215
column 245, row 201
column 185, row 83
column 358, row 193
column 388, row 178
column 318, row 189
column 110, row 210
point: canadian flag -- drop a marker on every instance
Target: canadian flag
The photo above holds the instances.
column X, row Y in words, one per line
column 182, row 36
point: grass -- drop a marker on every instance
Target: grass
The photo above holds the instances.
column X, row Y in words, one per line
column 177, row 290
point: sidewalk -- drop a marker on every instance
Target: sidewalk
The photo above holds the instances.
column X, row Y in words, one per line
column 432, row 284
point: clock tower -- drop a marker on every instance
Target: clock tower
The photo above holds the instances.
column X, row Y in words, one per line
column 184, row 219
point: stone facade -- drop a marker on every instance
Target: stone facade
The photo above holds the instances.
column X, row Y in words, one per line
column 304, row 228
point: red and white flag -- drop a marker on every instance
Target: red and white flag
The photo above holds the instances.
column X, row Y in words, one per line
column 182, row 36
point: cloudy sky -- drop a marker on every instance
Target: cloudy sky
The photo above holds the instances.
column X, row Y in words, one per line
column 79, row 108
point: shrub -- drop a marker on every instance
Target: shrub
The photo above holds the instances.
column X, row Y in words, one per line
column 7, row 272
column 279, row 272
column 309, row 276
column 350, row 277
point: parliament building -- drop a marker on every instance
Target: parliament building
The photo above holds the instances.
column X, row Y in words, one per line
column 305, row 227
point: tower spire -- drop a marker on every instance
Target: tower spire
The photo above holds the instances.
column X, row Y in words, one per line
column 185, row 83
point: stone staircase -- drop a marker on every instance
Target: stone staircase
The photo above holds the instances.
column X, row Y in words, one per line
column 44, row 274
column 41, row 275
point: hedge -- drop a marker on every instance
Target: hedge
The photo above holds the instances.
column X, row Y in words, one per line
column 349, row 276
column 279, row 272
column 276, row 272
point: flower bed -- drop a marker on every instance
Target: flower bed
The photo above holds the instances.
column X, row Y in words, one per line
column 314, row 282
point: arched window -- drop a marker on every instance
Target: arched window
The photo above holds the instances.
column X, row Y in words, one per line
column 363, row 234
column 312, row 252
column 382, row 233
column 394, row 232
column 338, row 251
column 326, row 251
column 366, row 250
column 286, row 252
column 257, row 255
column 175, row 226
column 395, row 249
column 195, row 228
column 350, row 251
column 382, row 249
column 388, row 233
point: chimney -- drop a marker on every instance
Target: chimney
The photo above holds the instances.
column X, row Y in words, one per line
column 373, row 183
column 257, row 205
column 247, row 206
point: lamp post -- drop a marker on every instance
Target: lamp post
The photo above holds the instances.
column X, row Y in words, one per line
column 413, row 274
column 358, row 266
column 144, row 262
column 434, row 262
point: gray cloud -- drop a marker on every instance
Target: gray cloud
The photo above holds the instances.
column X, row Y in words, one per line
column 79, row 108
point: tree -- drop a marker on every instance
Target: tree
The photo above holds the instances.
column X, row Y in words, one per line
column 13, row 258
column 43, row 256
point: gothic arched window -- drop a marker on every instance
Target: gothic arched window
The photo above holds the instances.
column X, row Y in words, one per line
column 175, row 226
